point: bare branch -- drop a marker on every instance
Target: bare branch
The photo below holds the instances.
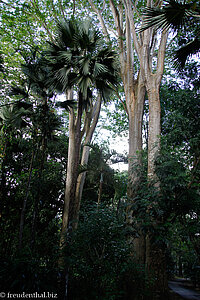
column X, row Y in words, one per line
column 124, row 106
column 99, row 15
column 117, row 23
column 61, row 8
column 44, row 24
column 7, row 4
column 136, row 42
column 129, row 51
column 135, row 9
column 54, row 11
column 161, row 54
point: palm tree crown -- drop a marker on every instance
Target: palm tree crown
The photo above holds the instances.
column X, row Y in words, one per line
column 77, row 59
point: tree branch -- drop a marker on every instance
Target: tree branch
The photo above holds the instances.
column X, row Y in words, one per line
column 129, row 51
column 137, row 45
column 124, row 106
column 7, row 4
column 117, row 24
column 37, row 9
column 54, row 11
column 61, row 8
column 161, row 54
column 99, row 15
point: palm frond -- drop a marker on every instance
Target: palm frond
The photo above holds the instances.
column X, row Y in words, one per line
column 65, row 56
column 13, row 114
column 66, row 104
column 37, row 74
column 185, row 52
column 65, row 33
column 87, row 37
column 100, row 68
column 18, row 91
column 84, row 83
column 174, row 15
column 84, row 65
column 80, row 62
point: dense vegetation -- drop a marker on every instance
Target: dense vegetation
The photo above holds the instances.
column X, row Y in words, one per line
column 70, row 224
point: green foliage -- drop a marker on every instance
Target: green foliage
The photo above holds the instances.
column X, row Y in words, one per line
column 14, row 184
column 181, row 246
column 34, row 158
column 29, row 273
column 101, row 265
column 181, row 117
column 121, row 179
column 77, row 59
column 118, row 118
column 98, row 165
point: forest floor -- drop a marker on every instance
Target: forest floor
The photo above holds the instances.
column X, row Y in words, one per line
column 183, row 289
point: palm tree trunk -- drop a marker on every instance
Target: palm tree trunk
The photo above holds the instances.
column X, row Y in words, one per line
column 70, row 189
column 72, row 173
column 91, row 125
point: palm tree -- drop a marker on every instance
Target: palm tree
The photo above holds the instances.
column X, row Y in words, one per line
column 80, row 65
column 13, row 118
column 178, row 16
column 43, row 125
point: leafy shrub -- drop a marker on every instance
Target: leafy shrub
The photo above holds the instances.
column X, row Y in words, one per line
column 101, row 266
column 25, row 274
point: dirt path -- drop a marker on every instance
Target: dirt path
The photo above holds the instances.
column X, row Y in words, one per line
column 178, row 287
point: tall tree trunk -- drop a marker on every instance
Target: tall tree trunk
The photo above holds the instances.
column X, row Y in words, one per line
column 135, row 112
column 100, row 189
column 90, row 125
column 72, row 172
column 75, row 181
column 144, row 46
column 135, row 95
column 135, row 109
column 134, row 89
column 154, row 128
column 156, row 266
column 70, row 190
column 155, row 250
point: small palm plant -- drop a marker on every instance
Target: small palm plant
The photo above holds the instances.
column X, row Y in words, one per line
column 13, row 118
